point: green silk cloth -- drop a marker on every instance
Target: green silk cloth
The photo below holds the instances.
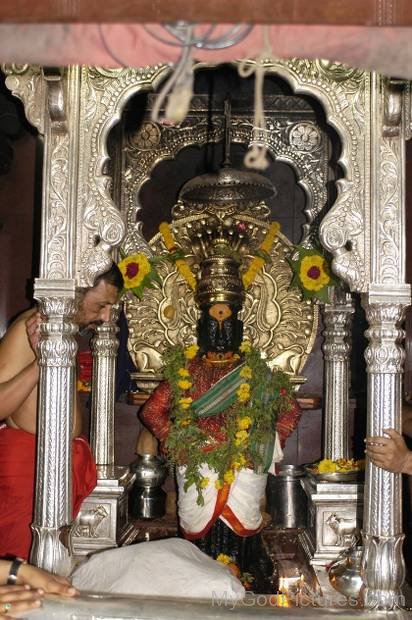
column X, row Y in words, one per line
column 222, row 395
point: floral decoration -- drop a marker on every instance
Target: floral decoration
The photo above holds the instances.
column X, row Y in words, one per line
column 139, row 272
column 312, row 273
column 262, row 255
column 176, row 255
column 246, row 578
column 248, row 422
column 340, row 465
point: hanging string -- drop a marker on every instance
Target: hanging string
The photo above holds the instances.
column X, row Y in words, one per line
column 180, row 87
column 256, row 156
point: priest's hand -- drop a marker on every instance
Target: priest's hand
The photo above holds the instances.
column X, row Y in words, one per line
column 44, row 581
column 390, row 452
column 33, row 331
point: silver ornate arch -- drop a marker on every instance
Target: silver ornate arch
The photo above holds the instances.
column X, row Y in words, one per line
column 75, row 109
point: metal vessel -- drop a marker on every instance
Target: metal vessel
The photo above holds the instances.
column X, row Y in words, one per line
column 344, row 572
column 147, row 498
column 287, row 501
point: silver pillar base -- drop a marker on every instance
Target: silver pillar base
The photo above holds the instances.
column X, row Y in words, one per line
column 103, row 521
column 334, row 518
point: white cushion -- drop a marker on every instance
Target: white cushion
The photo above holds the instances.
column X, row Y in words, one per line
column 170, row 567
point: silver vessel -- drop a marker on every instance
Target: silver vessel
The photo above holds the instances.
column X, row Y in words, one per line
column 344, row 572
column 147, row 498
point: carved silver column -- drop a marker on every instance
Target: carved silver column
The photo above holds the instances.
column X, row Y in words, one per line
column 104, row 349
column 53, row 506
column 384, row 302
column 336, row 348
column 382, row 565
column 103, row 520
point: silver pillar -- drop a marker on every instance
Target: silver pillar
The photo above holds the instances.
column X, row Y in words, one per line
column 53, row 505
column 104, row 349
column 383, row 569
column 336, row 349
column 107, row 507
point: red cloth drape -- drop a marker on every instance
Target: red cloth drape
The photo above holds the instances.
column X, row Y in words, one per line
column 17, row 482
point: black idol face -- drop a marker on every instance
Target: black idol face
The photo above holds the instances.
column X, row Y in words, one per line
column 219, row 329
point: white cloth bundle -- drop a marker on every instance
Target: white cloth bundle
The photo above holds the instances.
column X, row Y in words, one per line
column 170, row 567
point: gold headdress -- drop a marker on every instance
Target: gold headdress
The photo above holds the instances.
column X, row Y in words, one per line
column 219, row 247
column 220, row 239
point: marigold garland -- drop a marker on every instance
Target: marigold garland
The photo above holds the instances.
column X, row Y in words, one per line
column 258, row 261
column 248, row 422
column 181, row 264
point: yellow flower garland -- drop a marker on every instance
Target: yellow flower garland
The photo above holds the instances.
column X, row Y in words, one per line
column 257, row 263
column 181, row 265
column 245, row 428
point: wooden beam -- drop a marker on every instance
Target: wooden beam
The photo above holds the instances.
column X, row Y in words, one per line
column 333, row 12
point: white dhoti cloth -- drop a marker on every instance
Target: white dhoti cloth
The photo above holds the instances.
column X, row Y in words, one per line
column 241, row 507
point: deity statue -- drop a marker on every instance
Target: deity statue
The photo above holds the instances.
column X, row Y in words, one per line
column 222, row 415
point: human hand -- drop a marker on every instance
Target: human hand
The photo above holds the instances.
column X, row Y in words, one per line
column 389, row 452
column 16, row 599
column 33, row 330
column 45, row 581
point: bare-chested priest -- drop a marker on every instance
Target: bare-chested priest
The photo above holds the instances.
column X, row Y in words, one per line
column 19, row 374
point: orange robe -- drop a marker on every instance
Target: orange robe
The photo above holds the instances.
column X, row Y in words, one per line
column 17, row 483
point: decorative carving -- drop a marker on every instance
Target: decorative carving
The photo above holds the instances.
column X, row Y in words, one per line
column 275, row 318
column 407, row 111
column 384, row 353
column 383, row 519
column 57, row 351
column 26, row 83
column 55, row 98
column 87, row 522
column 341, row 91
column 309, row 159
column 337, row 71
column 388, row 258
column 337, row 318
column 392, row 109
column 305, row 137
column 336, row 348
column 383, row 571
column 104, row 349
column 147, row 138
column 104, row 228
column 57, row 222
column 345, row 530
